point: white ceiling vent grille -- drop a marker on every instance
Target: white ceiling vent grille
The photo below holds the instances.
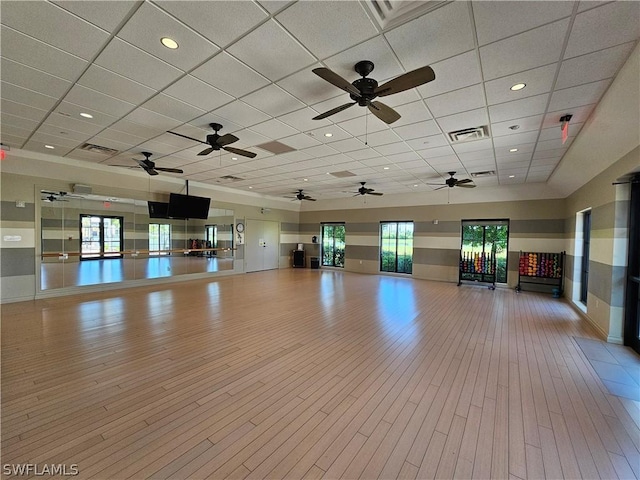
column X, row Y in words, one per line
column 389, row 13
column 342, row 174
column 90, row 147
column 468, row 134
column 486, row 173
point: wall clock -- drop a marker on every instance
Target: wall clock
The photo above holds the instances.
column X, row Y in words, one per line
column 240, row 227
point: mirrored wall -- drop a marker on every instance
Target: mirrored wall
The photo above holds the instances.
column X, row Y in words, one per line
column 93, row 240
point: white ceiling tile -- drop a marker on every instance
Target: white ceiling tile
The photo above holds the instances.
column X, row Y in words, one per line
column 37, row 146
column 15, row 141
column 115, row 85
column 34, row 53
column 106, row 15
column 286, row 55
column 503, row 150
column 404, row 157
column 578, row 96
column 117, row 134
column 453, row 74
column 602, row 27
column 538, row 80
column 75, row 111
column 411, row 113
column 32, row 79
column 221, row 22
column 473, row 145
column 526, row 107
column 241, row 113
column 273, row 100
column 41, row 20
column 198, row 93
column 555, row 132
column 554, row 144
column 120, row 144
column 145, row 127
column 525, row 51
column 27, row 97
column 56, row 140
column 515, row 140
column 363, row 154
column 276, row 129
column 7, row 120
column 23, row 111
column 477, row 156
column 73, row 124
column 550, row 153
column 431, row 153
column 52, row 128
column 347, row 145
column 135, row 64
column 360, row 126
column 431, row 141
column 322, row 41
column 441, row 34
column 94, row 100
column 150, row 24
column 383, row 137
column 307, row 86
column 172, row 108
column 204, row 123
column 417, row 130
column 230, row 75
column 393, row 148
column 473, row 118
column 302, row 120
column 467, row 98
column 23, row 133
column 525, row 124
column 497, row 20
column 593, row 66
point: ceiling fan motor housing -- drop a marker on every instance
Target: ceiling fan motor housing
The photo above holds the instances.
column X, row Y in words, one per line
column 366, row 86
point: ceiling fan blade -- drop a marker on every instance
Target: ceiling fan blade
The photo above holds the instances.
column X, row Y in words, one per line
column 439, row 188
column 466, row 185
column 404, row 82
column 464, row 180
column 188, row 138
column 207, row 151
column 239, row 151
column 335, row 79
column 226, row 139
column 383, row 112
column 151, row 171
column 309, row 198
column 125, row 166
column 333, row 111
column 437, row 184
column 170, row 170
column 375, row 193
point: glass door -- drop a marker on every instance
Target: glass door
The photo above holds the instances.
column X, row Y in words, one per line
column 632, row 301
column 333, row 236
column 100, row 237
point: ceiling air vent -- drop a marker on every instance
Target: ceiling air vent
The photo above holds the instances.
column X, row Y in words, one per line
column 90, row 147
column 276, row 147
column 486, row 173
column 389, row 13
column 468, row 134
column 342, row 174
column 231, row 178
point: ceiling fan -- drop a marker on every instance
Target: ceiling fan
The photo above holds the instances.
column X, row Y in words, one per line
column 149, row 166
column 302, row 196
column 363, row 90
column 216, row 142
column 54, row 197
column 454, row 182
column 366, row 191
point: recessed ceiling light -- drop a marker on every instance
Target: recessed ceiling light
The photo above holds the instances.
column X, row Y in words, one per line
column 512, row 176
column 86, row 115
column 169, row 43
column 328, row 134
column 416, row 185
column 386, row 168
column 305, row 179
column 513, row 150
column 234, row 158
column 518, row 86
column 49, row 146
column 250, row 188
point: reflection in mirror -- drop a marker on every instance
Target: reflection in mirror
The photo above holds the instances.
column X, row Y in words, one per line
column 90, row 239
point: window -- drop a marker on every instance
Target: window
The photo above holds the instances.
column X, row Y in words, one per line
column 396, row 247
column 211, row 236
column 488, row 237
column 159, row 238
column 632, row 301
column 586, row 240
column 100, row 237
column 333, row 236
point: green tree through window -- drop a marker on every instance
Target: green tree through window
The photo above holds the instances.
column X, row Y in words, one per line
column 396, row 247
column 487, row 236
column 333, row 241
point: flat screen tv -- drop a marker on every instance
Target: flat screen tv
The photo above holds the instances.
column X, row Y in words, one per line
column 188, row 206
column 158, row 209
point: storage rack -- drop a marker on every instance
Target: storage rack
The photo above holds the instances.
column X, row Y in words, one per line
column 543, row 269
column 478, row 268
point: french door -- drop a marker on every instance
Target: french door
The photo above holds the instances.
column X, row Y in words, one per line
column 100, row 237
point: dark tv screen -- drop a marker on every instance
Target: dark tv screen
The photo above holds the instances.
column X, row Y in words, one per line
column 158, row 209
column 188, row 206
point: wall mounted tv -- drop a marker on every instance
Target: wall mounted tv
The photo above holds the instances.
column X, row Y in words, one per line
column 158, row 209
column 188, row 206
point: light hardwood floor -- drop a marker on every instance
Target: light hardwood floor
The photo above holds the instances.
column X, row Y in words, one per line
column 302, row 373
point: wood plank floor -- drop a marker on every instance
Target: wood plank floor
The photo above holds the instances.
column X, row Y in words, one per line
column 302, row 373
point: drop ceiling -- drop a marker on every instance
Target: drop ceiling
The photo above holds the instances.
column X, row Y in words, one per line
column 248, row 66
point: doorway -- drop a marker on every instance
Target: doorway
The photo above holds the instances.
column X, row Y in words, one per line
column 584, row 269
column 100, row 237
column 632, row 300
column 261, row 245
